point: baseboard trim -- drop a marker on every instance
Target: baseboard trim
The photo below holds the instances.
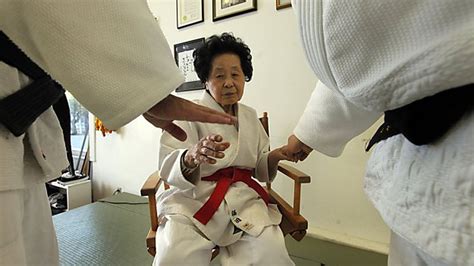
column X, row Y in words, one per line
column 329, row 248
column 347, row 240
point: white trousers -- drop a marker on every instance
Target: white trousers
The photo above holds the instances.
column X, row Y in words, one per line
column 179, row 242
column 403, row 253
column 27, row 235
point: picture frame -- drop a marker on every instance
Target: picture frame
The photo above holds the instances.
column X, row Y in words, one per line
column 183, row 56
column 189, row 12
column 222, row 9
column 280, row 4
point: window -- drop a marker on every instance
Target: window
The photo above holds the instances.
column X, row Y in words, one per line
column 79, row 129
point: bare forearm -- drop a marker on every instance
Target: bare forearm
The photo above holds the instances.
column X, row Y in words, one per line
column 273, row 160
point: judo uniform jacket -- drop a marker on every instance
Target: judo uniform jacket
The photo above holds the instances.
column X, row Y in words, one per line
column 242, row 206
column 114, row 60
column 374, row 56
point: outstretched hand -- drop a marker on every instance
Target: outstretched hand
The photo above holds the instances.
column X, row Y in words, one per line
column 296, row 150
column 174, row 108
column 207, row 150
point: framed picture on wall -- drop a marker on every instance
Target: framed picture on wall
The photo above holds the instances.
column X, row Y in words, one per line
column 189, row 12
column 280, row 4
column 183, row 55
column 228, row 8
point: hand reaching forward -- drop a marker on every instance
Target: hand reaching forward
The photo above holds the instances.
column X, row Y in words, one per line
column 274, row 157
column 279, row 154
column 205, row 151
column 296, row 150
column 174, row 108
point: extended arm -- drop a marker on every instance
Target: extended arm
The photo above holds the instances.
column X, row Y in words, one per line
column 328, row 123
column 112, row 56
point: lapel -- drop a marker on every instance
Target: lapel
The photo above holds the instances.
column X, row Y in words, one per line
column 228, row 132
column 208, row 100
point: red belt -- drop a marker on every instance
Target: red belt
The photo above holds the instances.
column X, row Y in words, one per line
column 226, row 177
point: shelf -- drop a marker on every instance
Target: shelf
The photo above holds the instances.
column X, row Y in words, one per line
column 76, row 194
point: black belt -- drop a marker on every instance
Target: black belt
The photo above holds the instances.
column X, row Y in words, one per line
column 426, row 120
column 20, row 109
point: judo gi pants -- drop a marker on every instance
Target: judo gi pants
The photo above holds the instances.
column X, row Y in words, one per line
column 179, row 242
column 403, row 253
column 27, row 235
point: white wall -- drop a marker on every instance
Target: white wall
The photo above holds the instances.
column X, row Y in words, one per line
column 334, row 203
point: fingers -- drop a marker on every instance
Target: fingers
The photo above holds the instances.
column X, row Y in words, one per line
column 204, row 155
column 207, row 150
column 175, row 108
column 296, row 150
column 288, row 158
column 300, row 156
column 211, row 153
column 205, row 114
column 295, row 157
column 167, row 126
column 304, row 152
column 149, row 118
column 175, row 131
column 213, row 142
column 214, row 137
column 200, row 158
column 286, row 155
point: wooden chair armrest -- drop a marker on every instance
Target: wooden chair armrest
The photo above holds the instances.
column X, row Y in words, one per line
column 299, row 178
column 150, row 239
column 294, row 173
column 151, row 185
column 298, row 221
column 150, row 242
column 149, row 189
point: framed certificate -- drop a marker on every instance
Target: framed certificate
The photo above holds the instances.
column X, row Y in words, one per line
column 280, row 4
column 189, row 12
column 183, row 55
column 228, row 8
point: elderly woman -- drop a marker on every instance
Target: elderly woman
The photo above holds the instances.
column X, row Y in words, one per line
column 213, row 199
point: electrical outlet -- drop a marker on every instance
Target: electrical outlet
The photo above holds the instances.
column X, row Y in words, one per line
column 117, row 191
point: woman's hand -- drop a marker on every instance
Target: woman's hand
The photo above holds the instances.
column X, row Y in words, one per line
column 274, row 157
column 279, row 154
column 207, row 150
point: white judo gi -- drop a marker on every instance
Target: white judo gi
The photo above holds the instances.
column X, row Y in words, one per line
column 243, row 224
column 108, row 54
column 374, row 56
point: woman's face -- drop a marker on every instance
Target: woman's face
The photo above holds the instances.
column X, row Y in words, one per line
column 226, row 80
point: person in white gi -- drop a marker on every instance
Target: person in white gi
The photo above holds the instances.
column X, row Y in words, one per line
column 241, row 222
column 375, row 56
column 108, row 54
